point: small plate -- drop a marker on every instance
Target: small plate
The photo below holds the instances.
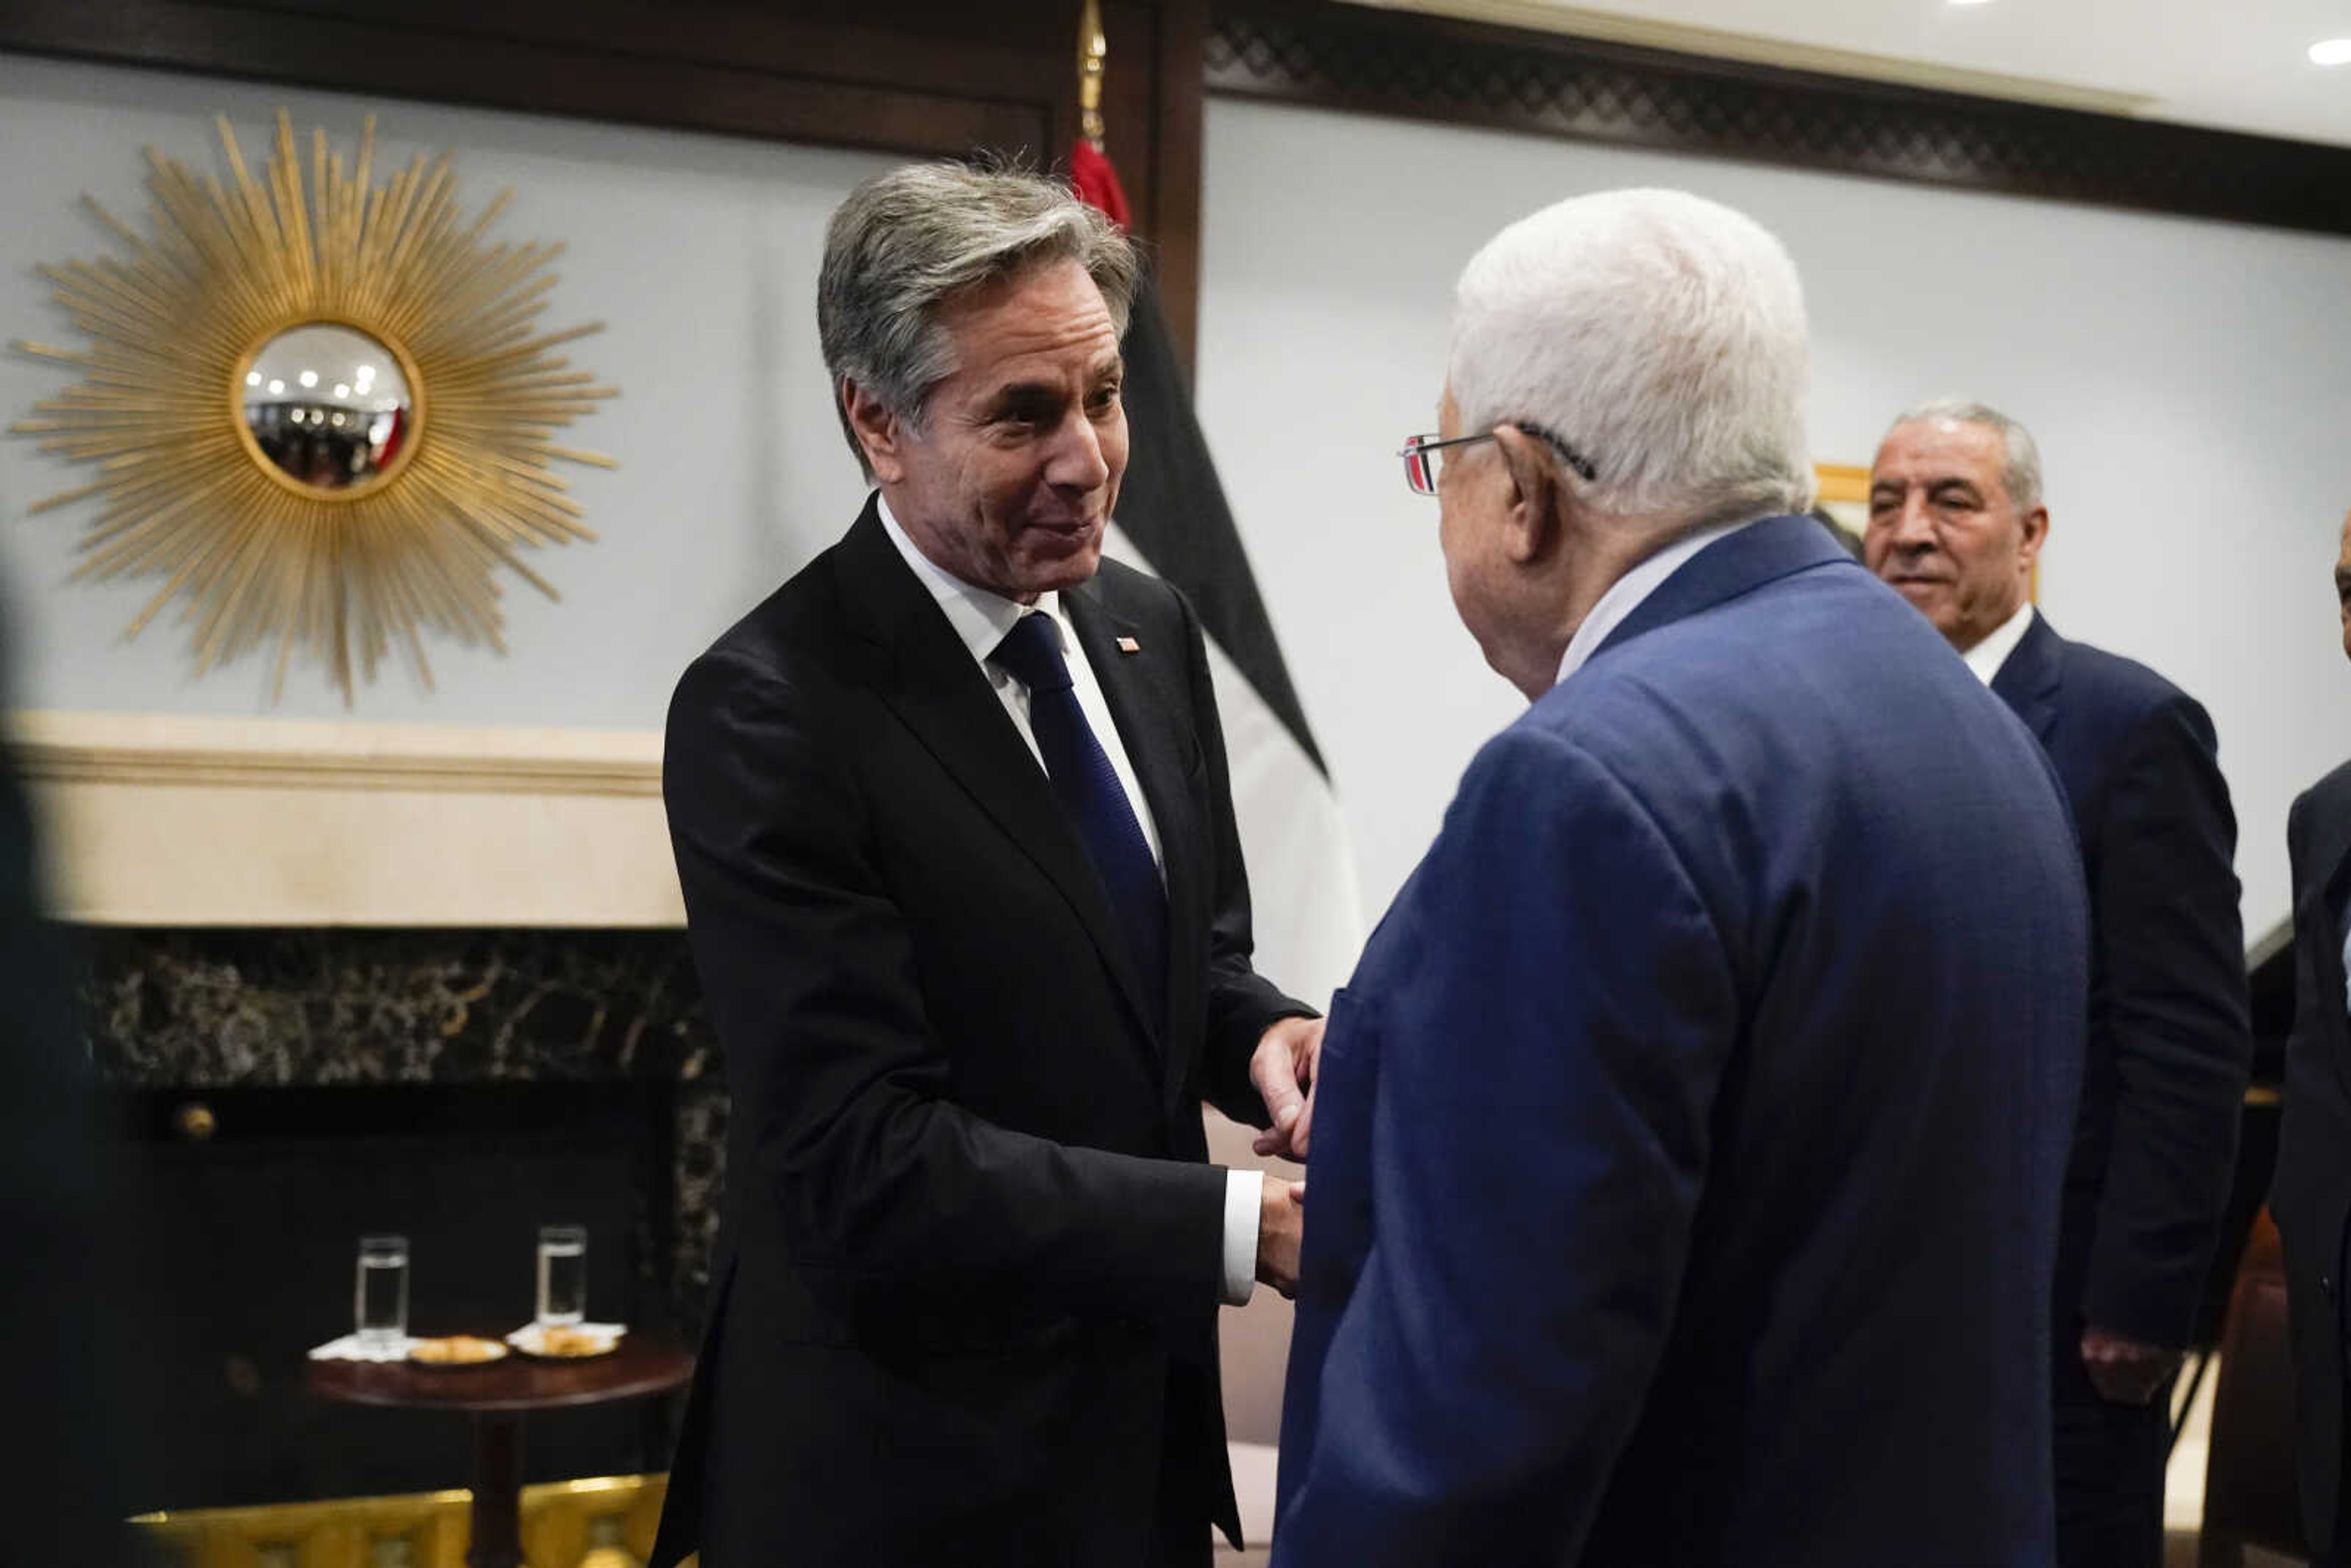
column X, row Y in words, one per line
column 576, row 1342
column 456, row 1349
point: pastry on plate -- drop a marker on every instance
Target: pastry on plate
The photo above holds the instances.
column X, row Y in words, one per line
column 456, row 1349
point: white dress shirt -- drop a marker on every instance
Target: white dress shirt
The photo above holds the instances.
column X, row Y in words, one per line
column 982, row 619
column 1988, row 654
column 2346, row 972
column 1624, row 595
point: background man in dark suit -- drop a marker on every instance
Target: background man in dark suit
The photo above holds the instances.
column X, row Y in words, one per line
column 1686, row 1143
column 951, row 813
column 1956, row 522
column 2311, row 1196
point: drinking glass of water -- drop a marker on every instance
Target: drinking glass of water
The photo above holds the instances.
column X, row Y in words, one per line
column 562, row 1274
column 380, row 1306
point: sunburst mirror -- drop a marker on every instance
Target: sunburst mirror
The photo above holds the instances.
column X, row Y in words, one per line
column 322, row 408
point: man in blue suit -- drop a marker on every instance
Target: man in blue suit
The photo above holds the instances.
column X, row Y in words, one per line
column 1685, row 1153
column 1955, row 525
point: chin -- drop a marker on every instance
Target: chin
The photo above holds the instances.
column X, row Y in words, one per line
column 1498, row 659
column 1056, row 573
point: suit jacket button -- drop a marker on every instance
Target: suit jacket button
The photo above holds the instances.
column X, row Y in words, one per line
column 2326, row 1284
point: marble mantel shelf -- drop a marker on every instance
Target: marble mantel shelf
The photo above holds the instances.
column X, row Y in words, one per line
column 182, row 820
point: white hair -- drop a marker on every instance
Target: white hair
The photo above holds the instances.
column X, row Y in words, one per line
column 1659, row 336
column 2019, row 454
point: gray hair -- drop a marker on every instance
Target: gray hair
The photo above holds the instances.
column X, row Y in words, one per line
column 1660, row 335
column 2020, row 467
column 905, row 244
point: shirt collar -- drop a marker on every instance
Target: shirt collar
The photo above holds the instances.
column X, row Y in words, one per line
column 1624, row 595
column 981, row 617
column 1988, row 655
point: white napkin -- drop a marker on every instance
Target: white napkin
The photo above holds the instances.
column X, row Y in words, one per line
column 530, row 1337
column 350, row 1348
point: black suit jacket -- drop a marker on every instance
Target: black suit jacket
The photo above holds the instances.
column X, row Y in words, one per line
column 2170, row 1044
column 2311, row 1192
column 966, row 1293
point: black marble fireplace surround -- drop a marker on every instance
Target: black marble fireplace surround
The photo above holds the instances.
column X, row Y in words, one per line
column 278, row 1090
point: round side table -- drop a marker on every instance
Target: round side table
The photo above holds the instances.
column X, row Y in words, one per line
column 497, row 1397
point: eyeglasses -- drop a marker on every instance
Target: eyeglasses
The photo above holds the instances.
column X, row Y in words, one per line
column 1420, row 471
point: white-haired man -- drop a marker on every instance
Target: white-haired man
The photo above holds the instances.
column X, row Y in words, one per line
column 1956, row 523
column 1684, row 1158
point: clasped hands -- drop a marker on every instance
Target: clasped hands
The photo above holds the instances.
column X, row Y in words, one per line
column 1283, row 1071
column 2127, row 1371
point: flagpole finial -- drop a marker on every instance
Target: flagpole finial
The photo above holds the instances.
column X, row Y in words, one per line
column 1093, row 47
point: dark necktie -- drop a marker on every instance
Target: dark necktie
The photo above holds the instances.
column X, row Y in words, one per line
column 1097, row 803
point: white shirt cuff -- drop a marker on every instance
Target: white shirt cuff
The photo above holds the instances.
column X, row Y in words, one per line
column 1244, row 1192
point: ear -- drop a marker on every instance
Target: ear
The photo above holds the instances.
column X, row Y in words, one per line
column 2036, row 534
column 1533, row 527
column 879, row 431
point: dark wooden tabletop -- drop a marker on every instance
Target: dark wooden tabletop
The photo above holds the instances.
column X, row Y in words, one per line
column 643, row 1364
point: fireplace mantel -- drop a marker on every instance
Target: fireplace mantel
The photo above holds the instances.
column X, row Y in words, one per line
column 185, row 820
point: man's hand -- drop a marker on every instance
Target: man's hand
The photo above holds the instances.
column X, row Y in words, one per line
column 1281, row 1221
column 2127, row 1371
column 1283, row 1071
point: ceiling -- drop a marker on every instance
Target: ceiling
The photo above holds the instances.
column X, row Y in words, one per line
column 2240, row 64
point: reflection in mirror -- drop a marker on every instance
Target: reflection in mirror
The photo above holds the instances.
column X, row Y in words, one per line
column 329, row 406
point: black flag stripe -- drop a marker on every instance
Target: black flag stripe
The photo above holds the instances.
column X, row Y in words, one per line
column 1173, row 507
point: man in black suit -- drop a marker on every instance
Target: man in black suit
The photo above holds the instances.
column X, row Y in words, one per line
column 952, row 818
column 2311, row 1196
column 1956, row 523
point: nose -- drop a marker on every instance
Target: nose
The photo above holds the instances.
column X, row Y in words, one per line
column 1910, row 529
column 1076, row 461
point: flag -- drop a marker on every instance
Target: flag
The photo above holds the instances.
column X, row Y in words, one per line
column 1173, row 520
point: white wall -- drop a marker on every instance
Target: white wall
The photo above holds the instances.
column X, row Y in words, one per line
column 2190, row 383
column 699, row 253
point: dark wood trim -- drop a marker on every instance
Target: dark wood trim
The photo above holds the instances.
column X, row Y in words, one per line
column 1386, row 62
column 927, row 77
column 1175, row 226
column 700, row 67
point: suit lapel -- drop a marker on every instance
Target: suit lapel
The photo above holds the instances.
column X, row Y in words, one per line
column 931, row 682
column 2030, row 677
column 1162, row 764
column 1728, row 568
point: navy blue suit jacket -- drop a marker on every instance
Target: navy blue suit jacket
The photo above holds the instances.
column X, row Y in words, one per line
column 1688, row 1142
column 2311, row 1194
column 2170, row 1044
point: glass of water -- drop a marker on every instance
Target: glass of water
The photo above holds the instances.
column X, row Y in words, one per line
column 380, row 1308
column 562, row 1274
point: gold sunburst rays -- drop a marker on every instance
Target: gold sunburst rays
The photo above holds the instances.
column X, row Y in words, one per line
column 344, row 562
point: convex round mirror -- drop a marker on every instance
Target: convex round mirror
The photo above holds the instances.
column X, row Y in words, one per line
column 328, row 407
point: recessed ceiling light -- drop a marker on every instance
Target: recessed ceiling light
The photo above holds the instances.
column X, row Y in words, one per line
column 2331, row 52
column 1967, row 2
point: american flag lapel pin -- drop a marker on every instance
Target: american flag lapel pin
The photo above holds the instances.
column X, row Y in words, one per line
column 1129, row 645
